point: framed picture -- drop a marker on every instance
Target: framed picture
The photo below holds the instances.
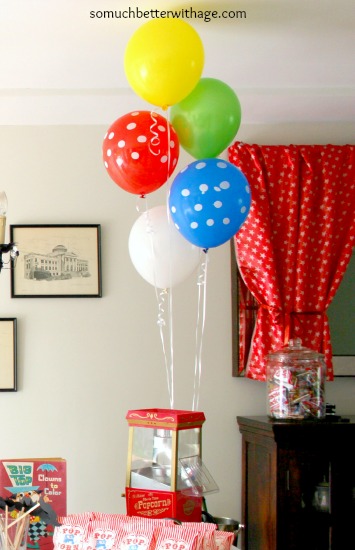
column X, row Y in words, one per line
column 56, row 261
column 8, row 357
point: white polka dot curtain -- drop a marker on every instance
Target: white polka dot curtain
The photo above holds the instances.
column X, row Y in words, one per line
column 294, row 247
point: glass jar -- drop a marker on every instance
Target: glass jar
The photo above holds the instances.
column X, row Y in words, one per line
column 295, row 382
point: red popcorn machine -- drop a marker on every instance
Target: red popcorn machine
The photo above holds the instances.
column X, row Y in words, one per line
column 165, row 474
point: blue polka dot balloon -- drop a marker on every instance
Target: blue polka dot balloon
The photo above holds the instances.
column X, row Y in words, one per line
column 209, row 201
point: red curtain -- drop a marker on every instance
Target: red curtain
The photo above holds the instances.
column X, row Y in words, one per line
column 296, row 243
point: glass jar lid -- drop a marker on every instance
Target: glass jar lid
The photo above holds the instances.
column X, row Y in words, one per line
column 294, row 351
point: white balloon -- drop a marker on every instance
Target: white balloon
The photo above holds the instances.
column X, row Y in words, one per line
column 160, row 254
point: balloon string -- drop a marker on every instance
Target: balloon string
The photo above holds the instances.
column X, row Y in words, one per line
column 162, row 324
column 142, row 200
column 168, row 151
column 154, row 140
column 171, row 369
column 200, row 327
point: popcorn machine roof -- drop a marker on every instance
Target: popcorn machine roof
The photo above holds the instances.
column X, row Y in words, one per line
column 171, row 419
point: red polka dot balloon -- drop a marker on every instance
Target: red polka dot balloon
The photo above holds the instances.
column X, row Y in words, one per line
column 140, row 151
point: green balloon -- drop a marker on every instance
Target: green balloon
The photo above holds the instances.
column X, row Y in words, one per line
column 207, row 120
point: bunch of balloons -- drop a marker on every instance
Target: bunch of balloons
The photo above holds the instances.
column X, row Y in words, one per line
column 210, row 198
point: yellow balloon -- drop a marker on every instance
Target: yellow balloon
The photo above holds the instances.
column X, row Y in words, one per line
column 164, row 60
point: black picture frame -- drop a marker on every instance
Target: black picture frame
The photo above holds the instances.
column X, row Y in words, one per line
column 57, row 261
column 8, row 358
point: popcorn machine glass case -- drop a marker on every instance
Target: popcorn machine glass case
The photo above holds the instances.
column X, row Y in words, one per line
column 165, row 475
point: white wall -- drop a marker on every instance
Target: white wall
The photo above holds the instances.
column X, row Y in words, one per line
column 83, row 363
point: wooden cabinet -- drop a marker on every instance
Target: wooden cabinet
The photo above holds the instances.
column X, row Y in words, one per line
column 283, row 462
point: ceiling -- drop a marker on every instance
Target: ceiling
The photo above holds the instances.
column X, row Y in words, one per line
column 287, row 60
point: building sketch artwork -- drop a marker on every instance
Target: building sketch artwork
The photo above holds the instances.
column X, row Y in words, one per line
column 61, row 263
column 57, row 261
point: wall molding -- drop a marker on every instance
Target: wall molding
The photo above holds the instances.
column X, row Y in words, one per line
column 102, row 106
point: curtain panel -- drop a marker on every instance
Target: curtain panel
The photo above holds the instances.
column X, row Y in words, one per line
column 295, row 246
